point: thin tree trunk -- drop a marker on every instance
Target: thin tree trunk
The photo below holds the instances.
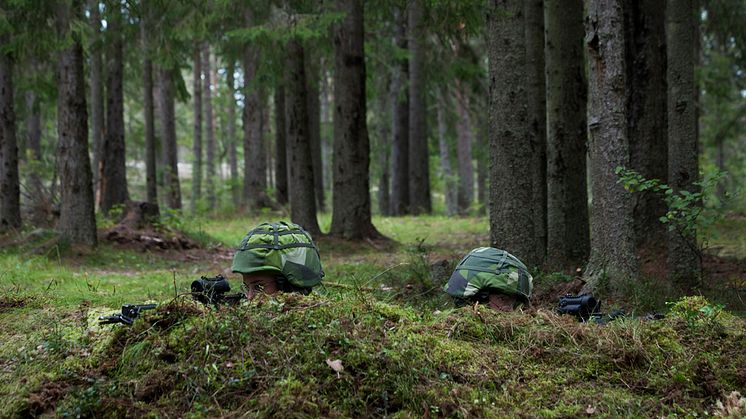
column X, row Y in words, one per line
column 10, row 191
column 168, row 137
column 325, row 103
column 255, row 168
column 114, row 172
column 232, row 148
column 568, row 235
column 281, row 168
column 400, row 124
column 419, row 162
column 197, row 137
column 612, row 233
column 463, row 149
column 314, row 121
column 483, row 163
column 77, row 223
column 209, row 128
column 449, row 184
column 351, row 216
column 537, row 122
column 33, row 125
column 299, row 164
column 646, row 49
column 384, row 150
column 684, row 259
column 511, row 174
column 148, row 111
column 97, row 96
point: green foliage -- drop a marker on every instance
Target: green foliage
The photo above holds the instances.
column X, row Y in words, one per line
column 688, row 212
column 697, row 311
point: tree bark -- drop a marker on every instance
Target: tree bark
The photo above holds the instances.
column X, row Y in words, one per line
column 449, row 184
column 98, row 127
column 384, row 149
column 511, row 174
column 232, row 149
column 419, row 157
column 77, row 223
column 148, row 111
column 612, row 233
column 209, row 128
column 197, row 137
column 168, row 137
column 647, row 125
column 463, row 149
column 255, row 167
column 684, row 263
column 568, row 236
column 33, row 125
column 537, row 122
column 114, row 172
column 10, row 191
column 400, row 124
column 314, row 126
column 281, row 168
column 351, row 216
column 299, row 164
column 483, row 163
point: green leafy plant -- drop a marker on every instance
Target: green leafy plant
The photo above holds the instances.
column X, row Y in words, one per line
column 688, row 211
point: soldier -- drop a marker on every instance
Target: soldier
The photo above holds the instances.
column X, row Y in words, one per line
column 493, row 277
column 276, row 257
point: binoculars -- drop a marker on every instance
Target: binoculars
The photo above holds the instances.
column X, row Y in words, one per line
column 214, row 291
column 581, row 306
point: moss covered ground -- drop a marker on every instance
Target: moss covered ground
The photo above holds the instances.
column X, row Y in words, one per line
column 379, row 339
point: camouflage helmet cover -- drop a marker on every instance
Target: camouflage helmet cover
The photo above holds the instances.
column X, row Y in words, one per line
column 282, row 247
column 490, row 269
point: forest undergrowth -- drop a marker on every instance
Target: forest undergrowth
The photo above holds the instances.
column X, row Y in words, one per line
column 378, row 339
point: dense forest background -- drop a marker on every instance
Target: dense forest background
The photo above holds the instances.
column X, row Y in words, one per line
column 585, row 130
column 602, row 142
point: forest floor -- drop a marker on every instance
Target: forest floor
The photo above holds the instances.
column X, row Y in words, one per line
column 379, row 338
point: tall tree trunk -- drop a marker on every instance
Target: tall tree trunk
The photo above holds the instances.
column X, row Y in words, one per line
column 419, row 157
column 511, row 174
column 351, row 217
column 612, row 233
column 384, row 151
column 255, row 170
column 97, row 95
column 483, row 162
column 77, row 223
column 537, row 122
column 463, row 149
column 148, row 111
column 232, row 148
column 400, row 124
column 299, row 164
column 33, row 125
column 209, row 128
column 10, row 191
column 449, row 184
column 167, row 119
column 568, row 236
column 684, row 261
column 114, row 172
column 314, row 126
column 646, row 49
column 281, row 168
column 197, row 143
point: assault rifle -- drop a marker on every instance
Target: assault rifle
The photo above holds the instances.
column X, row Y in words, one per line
column 128, row 315
column 215, row 291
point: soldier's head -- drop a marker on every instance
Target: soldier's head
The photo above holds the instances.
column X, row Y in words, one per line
column 491, row 277
column 278, row 257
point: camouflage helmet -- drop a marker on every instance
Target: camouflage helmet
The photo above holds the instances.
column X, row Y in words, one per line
column 281, row 247
column 487, row 269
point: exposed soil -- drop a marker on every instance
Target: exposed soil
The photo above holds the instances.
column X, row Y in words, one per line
column 8, row 302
